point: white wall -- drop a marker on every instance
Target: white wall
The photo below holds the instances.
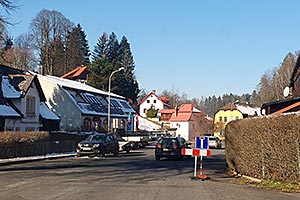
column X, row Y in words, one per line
column 153, row 100
column 182, row 129
column 28, row 122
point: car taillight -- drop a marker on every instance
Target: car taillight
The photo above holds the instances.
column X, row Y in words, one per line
column 175, row 147
column 158, row 146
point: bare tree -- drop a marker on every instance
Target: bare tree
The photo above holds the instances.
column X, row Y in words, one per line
column 50, row 29
column 273, row 82
column 21, row 56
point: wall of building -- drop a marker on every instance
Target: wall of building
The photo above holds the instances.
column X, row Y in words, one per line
column 152, row 100
column 223, row 117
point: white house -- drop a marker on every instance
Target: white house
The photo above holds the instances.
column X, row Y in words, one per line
column 152, row 100
column 184, row 121
column 20, row 99
column 84, row 108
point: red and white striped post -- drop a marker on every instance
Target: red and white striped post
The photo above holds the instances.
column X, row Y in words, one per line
column 196, row 153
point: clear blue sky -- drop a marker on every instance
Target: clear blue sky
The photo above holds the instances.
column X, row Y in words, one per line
column 197, row 47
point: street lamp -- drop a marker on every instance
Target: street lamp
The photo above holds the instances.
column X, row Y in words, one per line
column 108, row 111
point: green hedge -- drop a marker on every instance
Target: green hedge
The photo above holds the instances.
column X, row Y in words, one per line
column 265, row 147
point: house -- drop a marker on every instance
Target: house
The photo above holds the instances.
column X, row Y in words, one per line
column 186, row 121
column 22, row 102
column 291, row 102
column 230, row 112
column 154, row 101
column 84, row 108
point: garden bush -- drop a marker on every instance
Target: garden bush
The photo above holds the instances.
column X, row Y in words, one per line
column 265, row 147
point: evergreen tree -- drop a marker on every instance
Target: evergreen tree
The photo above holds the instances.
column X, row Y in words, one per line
column 113, row 50
column 109, row 56
column 77, row 49
column 101, row 48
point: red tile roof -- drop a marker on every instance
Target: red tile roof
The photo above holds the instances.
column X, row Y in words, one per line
column 185, row 112
column 75, row 73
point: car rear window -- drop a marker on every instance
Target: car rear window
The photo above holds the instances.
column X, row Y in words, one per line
column 168, row 141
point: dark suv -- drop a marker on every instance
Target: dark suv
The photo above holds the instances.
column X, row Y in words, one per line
column 170, row 147
column 98, row 145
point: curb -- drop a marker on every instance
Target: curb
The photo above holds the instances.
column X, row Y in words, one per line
column 14, row 161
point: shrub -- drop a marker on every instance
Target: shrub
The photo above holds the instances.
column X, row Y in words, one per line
column 22, row 137
column 265, row 147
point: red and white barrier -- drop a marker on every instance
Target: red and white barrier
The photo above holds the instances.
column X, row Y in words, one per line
column 195, row 152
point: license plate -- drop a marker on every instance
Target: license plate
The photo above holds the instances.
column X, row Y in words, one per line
column 86, row 149
column 166, row 149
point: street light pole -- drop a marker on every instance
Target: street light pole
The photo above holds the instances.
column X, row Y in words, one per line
column 109, row 85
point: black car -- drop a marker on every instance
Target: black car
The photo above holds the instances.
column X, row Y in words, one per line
column 98, row 145
column 170, row 147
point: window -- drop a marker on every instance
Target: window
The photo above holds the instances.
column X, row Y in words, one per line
column 220, row 119
column 30, row 105
column 145, row 110
column 225, row 119
column 236, row 117
column 231, row 118
column 148, row 101
column 87, row 123
column 154, row 101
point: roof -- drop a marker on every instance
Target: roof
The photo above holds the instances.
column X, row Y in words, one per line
column 76, row 85
column 184, row 113
column 164, row 99
column 17, row 85
column 5, row 70
column 46, row 113
column 243, row 108
column 79, row 71
column 8, row 111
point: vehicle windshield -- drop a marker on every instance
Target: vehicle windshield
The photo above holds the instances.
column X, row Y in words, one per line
column 95, row 138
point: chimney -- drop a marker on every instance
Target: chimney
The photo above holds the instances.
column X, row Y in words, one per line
column 153, row 91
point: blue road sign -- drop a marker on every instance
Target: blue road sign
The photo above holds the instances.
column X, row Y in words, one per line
column 202, row 142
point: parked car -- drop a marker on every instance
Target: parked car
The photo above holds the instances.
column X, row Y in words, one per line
column 169, row 147
column 124, row 145
column 98, row 145
column 214, row 142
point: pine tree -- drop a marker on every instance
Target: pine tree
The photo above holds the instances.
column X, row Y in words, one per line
column 113, row 50
column 77, row 49
column 101, row 48
column 109, row 56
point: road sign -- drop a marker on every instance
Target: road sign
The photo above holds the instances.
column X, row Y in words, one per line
column 195, row 152
column 202, row 142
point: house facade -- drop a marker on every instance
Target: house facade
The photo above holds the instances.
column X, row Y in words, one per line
column 154, row 101
column 185, row 121
column 84, row 108
column 231, row 112
column 21, row 98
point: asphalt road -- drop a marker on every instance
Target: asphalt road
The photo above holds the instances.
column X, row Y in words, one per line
column 129, row 176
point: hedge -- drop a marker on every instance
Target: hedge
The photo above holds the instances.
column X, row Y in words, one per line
column 265, row 147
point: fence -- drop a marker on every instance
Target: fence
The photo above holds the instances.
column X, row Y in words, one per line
column 12, row 150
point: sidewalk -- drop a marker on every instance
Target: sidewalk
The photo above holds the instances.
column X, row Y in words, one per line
column 11, row 161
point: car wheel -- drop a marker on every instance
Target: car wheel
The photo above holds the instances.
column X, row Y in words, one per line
column 116, row 153
column 157, row 158
column 103, row 151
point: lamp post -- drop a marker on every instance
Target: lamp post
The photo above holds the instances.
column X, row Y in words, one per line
column 109, row 84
